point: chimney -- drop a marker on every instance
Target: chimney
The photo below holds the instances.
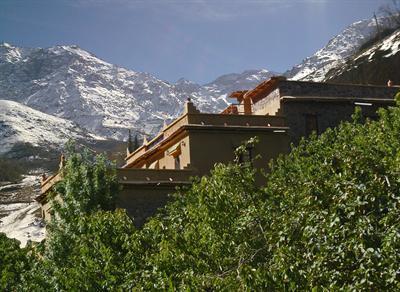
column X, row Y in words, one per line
column 247, row 105
column 190, row 108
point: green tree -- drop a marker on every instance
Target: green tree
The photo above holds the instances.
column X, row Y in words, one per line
column 326, row 219
column 13, row 262
column 85, row 241
column 136, row 143
column 332, row 209
column 101, row 255
column 209, row 237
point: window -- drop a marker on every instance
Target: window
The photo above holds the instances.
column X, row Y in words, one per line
column 311, row 123
column 175, row 152
column 177, row 162
column 246, row 156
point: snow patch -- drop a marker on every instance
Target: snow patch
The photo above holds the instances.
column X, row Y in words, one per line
column 20, row 123
column 23, row 223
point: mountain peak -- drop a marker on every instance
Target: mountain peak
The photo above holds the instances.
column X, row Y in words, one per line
column 244, row 80
column 6, row 45
column 68, row 82
column 74, row 50
column 337, row 50
column 184, row 81
column 10, row 53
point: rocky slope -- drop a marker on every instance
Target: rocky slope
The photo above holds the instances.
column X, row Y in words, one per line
column 374, row 65
column 338, row 49
column 22, row 124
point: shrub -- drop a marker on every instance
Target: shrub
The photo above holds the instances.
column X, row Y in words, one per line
column 13, row 262
column 10, row 170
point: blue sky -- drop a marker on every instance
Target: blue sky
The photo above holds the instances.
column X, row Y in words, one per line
column 196, row 39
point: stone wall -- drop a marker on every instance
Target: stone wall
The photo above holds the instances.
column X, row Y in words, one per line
column 328, row 114
column 302, row 88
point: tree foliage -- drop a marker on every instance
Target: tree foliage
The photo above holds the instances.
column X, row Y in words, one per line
column 89, row 184
column 85, row 245
column 334, row 204
column 326, row 219
column 207, row 235
column 13, row 262
column 100, row 256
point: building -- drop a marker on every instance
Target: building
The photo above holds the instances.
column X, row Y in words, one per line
column 277, row 111
column 311, row 106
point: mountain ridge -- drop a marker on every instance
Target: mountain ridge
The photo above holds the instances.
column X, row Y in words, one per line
column 337, row 50
column 105, row 99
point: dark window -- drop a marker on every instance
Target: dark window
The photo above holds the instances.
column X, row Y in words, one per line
column 311, row 124
column 177, row 162
column 246, row 156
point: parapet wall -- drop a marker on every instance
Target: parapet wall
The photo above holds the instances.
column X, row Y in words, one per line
column 236, row 120
column 302, row 88
column 141, row 175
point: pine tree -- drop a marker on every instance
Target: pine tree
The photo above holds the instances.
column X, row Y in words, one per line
column 136, row 143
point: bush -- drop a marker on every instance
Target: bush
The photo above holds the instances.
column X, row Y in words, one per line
column 10, row 170
column 206, row 237
column 13, row 262
column 97, row 255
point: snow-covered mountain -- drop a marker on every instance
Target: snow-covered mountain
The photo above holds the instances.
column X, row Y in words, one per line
column 338, row 49
column 22, row 124
column 232, row 82
column 106, row 100
column 375, row 65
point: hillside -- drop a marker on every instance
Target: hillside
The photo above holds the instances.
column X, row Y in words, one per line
column 373, row 65
column 338, row 49
column 22, row 124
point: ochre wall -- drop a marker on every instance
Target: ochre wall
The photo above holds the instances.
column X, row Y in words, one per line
column 167, row 161
column 210, row 147
column 143, row 201
column 269, row 105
